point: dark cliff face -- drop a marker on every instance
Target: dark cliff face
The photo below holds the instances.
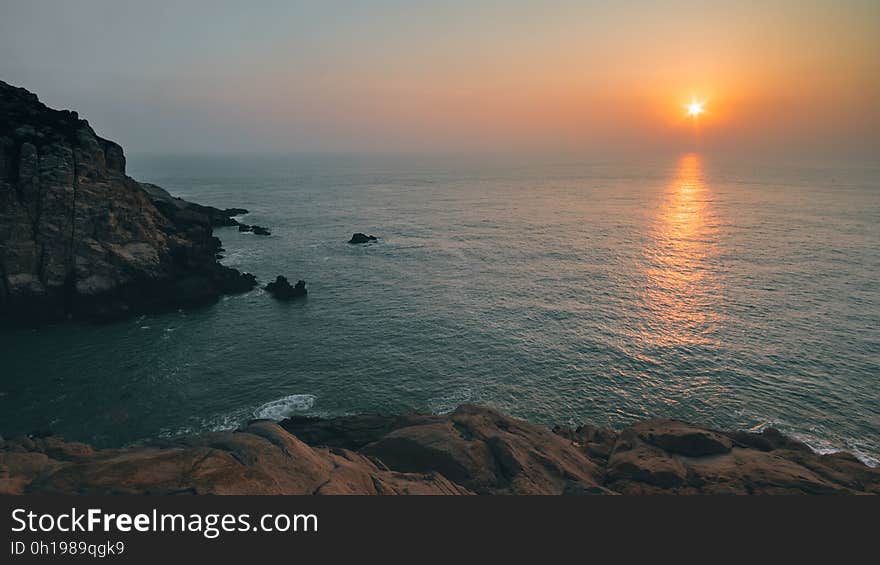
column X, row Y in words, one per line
column 81, row 239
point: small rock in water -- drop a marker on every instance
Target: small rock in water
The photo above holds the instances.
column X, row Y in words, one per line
column 362, row 238
column 256, row 230
column 282, row 290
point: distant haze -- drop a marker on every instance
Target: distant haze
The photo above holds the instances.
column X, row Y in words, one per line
column 281, row 76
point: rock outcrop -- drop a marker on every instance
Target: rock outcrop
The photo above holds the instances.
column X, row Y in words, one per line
column 362, row 238
column 256, row 230
column 262, row 458
column 472, row 450
column 180, row 210
column 282, row 290
column 81, row 239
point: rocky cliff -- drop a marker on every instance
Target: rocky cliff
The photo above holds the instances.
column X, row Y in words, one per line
column 81, row 239
column 474, row 450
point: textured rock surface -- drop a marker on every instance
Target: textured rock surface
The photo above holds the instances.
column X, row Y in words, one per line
column 472, row 450
column 256, row 230
column 79, row 238
column 260, row 459
column 359, row 237
column 283, row 290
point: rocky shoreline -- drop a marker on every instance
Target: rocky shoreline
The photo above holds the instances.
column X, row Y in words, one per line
column 79, row 239
column 473, row 450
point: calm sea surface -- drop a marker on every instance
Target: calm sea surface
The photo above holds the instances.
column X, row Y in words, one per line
column 727, row 294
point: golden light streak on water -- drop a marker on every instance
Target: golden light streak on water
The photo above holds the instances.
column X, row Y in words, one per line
column 682, row 288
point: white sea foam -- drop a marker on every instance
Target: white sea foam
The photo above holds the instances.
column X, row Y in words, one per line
column 815, row 442
column 217, row 423
column 823, row 447
column 284, row 407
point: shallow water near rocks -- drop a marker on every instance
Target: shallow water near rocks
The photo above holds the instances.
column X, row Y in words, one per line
column 732, row 295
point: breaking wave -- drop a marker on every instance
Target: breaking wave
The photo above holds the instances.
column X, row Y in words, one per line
column 285, row 407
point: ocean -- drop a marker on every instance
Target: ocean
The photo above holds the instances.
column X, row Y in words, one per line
column 562, row 291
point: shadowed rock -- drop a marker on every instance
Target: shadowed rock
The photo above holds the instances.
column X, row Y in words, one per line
column 180, row 210
column 282, row 290
column 362, row 238
column 81, row 239
column 257, row 230
column 682, row 439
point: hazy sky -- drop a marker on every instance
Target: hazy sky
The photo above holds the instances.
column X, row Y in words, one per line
column 218, row 76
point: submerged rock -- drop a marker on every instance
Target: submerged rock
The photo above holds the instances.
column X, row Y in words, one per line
column 282, row 290
column 81, row 239
column 362, row 238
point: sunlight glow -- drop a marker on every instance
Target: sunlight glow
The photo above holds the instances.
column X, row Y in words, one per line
column 695, row 108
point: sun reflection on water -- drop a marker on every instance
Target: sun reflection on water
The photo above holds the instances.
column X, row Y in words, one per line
column 682, row 287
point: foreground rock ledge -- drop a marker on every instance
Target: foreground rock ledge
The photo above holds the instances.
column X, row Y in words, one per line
column 474, row 450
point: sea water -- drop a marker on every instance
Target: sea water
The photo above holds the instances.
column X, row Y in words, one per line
column 719, row 291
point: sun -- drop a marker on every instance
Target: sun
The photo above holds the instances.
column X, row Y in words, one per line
column 695, row 108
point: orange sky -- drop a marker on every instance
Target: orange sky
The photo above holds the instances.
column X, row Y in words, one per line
column 392, row 75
